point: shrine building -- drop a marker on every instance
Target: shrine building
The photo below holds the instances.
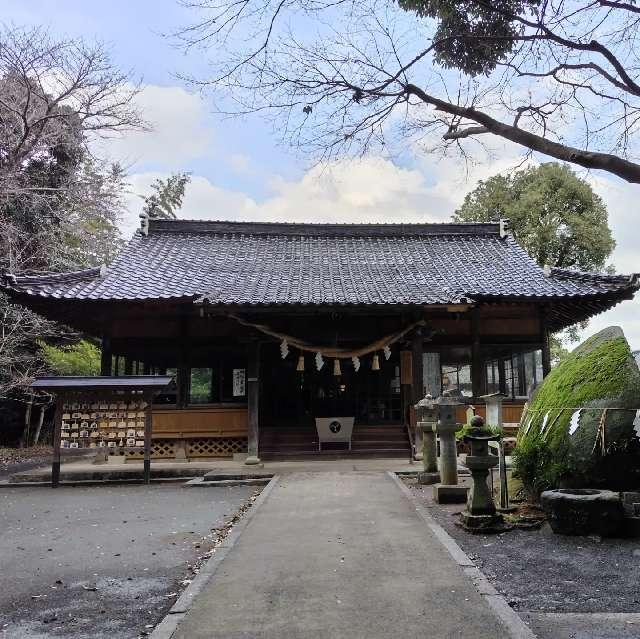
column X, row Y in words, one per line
column 276, row 332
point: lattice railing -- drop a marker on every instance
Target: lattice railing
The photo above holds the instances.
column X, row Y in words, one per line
column 200, row 447
column 160, row 449
column 218, row 447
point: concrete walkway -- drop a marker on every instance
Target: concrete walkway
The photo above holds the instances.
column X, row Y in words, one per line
column 86, row 470
column 338, row 555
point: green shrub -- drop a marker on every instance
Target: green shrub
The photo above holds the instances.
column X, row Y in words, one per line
column 82, row 358
column 534, row 465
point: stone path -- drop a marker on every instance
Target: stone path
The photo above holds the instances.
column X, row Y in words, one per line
column 342, row 556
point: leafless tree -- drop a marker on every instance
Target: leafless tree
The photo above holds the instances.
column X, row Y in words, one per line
column 59, row 204
column 346, row 75
column 56, row 96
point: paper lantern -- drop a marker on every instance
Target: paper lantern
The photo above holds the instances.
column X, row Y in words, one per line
column 375, row 364
column 336, row 368
column 300, row 366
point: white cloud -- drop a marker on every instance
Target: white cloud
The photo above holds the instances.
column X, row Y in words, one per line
column 369, row 190
column 179, row 130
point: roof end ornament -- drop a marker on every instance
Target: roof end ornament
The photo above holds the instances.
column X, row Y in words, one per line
column 144, row 224
column 505, row 227
column 546, row 269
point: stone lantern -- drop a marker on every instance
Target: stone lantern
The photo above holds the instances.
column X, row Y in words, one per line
column 448, row 490
column 480, row 515
column 427, row 416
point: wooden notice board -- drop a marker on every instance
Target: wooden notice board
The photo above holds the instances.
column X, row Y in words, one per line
column 111, row 414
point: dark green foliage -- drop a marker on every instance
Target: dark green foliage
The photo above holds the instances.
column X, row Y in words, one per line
column 82, row 358
column 472, row 36
column 601, row 373
column 535, row 467
column 555, row 216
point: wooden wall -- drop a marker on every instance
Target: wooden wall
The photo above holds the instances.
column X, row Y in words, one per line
column 209, row 421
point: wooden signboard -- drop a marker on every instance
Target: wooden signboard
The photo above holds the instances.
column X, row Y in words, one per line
column 111, row 414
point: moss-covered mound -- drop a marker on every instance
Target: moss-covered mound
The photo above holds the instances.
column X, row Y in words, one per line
column 561, row 447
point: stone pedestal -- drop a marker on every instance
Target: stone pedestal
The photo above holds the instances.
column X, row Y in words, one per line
column 429, row 474
column 448, row 490
column 448, row 454
column 181, row 450
column 419, row 442
column 252, row 460
column 480, row 515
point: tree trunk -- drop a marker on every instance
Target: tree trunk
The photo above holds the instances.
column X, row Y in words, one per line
column 24, row 440
column 36, row 435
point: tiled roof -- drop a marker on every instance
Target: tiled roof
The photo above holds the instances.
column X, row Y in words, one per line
column 235, row 263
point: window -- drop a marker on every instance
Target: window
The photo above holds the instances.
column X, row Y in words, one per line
column 456, row 380
column 223, row 380
column 201, row 386
column 493, row 377
column 170, row 396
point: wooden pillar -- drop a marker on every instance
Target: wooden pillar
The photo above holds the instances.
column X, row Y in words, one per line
column 57, row 431
column 128, row 366
column 105, row 357
column 183, row 368
column 147, row 438
column 546, row 353
column 546, row 343
column 477, row 373
column 432, row 374
column 253, row 403
column 502, row 379
column 417, row 382
column 417, row 386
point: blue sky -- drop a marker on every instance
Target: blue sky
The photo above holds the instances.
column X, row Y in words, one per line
column 239, row 168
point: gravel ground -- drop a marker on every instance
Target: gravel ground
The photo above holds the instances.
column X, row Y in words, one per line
column 103, row 561
column 537, row 570
column 15, row 460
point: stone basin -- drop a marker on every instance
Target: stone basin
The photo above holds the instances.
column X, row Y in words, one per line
column 583, row 511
